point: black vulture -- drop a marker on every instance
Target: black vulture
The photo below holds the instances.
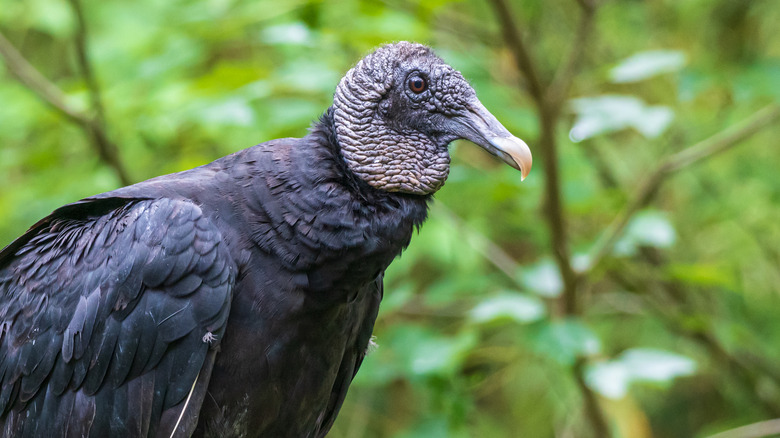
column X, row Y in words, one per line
column 237, row 298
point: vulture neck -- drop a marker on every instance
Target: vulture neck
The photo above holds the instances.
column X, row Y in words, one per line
column 329, row 228
column 325, row 133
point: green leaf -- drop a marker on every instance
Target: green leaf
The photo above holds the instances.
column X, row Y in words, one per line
column 430, row 428
column 437, row 355
column 657, row 365
column 288, row 34
column 51, row 16
column 645, row 65
column 310, row 75
column 646, row 228
column 512, row 306
column 613, row 378
column 608, row 378
column 414, row 352
column 704, row 275
column 564, row 341
column 232, row 111
column 610, row 113
column 543, row 278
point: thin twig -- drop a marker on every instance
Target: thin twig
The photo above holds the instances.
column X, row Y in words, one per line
column 50, row 94
column 592, row 410
column 98, row 130
column 549, row 100
column 83, row 62
column 489, row 249
column 30, row 77
column 720, row 142
column 521, row 55
column 556, row 219
column 564, row 77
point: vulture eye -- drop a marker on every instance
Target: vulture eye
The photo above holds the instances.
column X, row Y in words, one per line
column 417, row 84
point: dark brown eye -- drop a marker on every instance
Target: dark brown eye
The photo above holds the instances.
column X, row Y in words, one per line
column 417, row 84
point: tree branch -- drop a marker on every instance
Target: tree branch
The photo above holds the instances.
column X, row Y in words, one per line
column 97, row 129
column 489, row 249
column 83, row 62
column 564, row 77
column 549, row 101
column 720, row 142
column 520, row 53
column 592, row 410
column 50, row 94
column 37, row 83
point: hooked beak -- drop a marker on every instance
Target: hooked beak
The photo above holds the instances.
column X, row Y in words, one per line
column 483, row 129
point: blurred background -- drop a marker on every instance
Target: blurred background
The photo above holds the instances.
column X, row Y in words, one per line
column 628, row 288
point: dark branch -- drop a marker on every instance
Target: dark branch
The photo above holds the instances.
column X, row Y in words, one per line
column 549, row 100
column 97, row 128
column 30, row 77
column 564, row 77
column 590, row 402
column 83, row 62
column 520, row 53
column 50, row 94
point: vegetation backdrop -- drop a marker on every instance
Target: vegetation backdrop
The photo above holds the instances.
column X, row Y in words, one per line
column 629, row 288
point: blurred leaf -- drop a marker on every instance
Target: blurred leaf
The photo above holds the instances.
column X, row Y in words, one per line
column 434, row 428
column 704, row 275
column 656, row 365
column 581, row 262
column 543, row 278
column 645, row 65
column 566, row 340
column 758, row 80
column 652, row 228
column 438, row 355
column 612, row 378
column 512, row 306
column 412, row 351
column 51, row 16
column 290, row 33
column 232, row 111
column 396, row 298
column 609, row 113
column 289, row 113
column 309, row 75
column 609, row 378
column 646, row 228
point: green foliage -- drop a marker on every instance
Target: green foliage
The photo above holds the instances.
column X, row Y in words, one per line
column 610, row 113
column 612, row 378
column 645, row 65
column 510, row 306
column 676, row 332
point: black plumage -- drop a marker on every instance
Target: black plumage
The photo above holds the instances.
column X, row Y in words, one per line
column 237, row 298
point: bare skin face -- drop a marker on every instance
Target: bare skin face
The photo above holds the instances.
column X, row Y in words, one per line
column 397, row 111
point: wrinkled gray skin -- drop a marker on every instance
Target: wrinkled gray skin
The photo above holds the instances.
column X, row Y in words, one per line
column 390, row 136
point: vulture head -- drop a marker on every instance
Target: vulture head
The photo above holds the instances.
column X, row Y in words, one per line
column 396, row 111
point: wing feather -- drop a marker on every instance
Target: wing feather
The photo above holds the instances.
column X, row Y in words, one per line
column 104, row 310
